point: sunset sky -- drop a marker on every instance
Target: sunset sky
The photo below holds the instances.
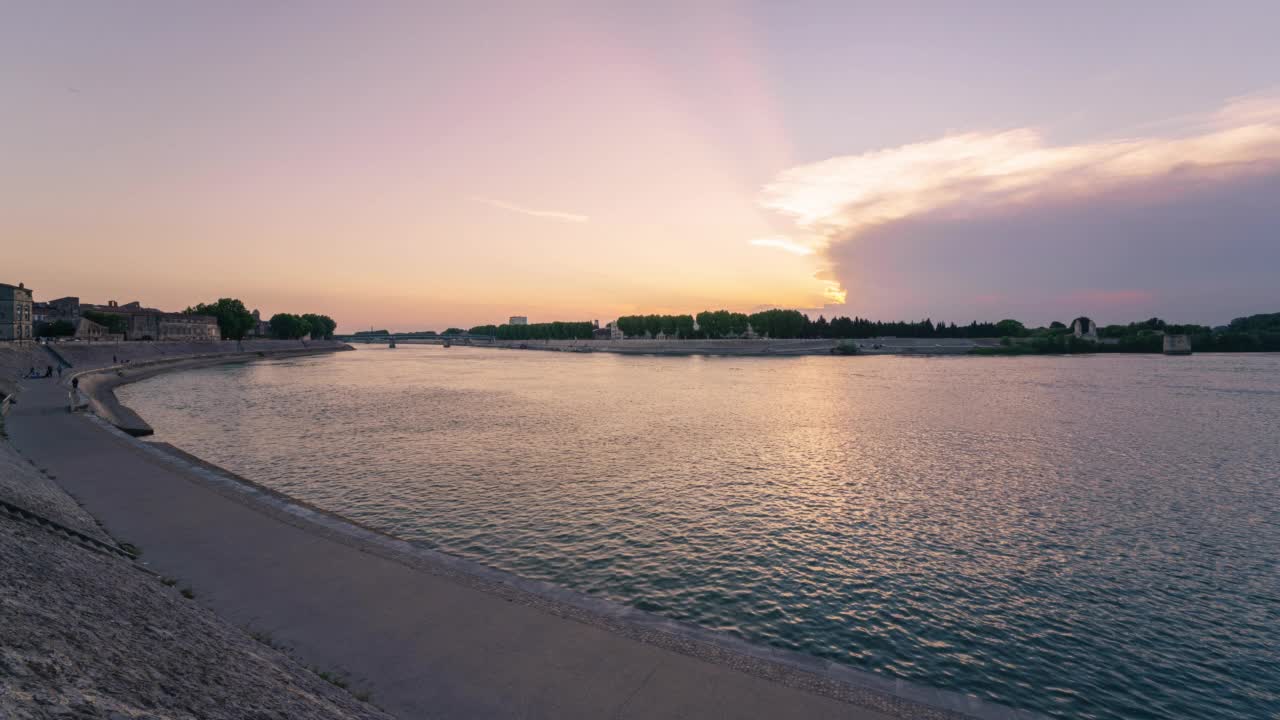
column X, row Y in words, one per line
column 419, row 165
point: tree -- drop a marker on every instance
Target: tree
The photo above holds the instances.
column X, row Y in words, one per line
column 780, row 323
column 546, row 331
column 1055, row 325
column 234, row 320
column 1011, row 328
column 57, row 328
column 322, row 326
column 287, row 326
column 115, row 324
column 454, row 331
column 683, row 325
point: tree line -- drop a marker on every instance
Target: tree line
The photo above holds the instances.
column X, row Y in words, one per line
column 287, row 326
column 1255, row 333
column 786, row 324
column 235, row 321
column 538, row 331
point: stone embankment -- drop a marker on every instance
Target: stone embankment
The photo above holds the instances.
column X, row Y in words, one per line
column 87, row 633
column 97, row 355
column 15, row 360
column 100, row 368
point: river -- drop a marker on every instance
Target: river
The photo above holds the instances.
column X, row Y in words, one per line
column 1088, row 536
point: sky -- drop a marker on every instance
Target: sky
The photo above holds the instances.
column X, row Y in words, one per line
column 421, row 165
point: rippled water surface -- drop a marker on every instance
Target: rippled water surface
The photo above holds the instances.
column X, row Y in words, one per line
column 1085, row 536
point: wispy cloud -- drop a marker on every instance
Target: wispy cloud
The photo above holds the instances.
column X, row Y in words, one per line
column 533, row 212
column 783, row 243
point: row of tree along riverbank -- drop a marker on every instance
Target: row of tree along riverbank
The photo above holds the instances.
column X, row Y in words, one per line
column 1256, row 333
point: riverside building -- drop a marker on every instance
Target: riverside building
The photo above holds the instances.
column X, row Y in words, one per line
column 143, row 323
column 15, row 312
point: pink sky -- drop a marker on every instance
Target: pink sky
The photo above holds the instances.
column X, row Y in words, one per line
column 416, row 168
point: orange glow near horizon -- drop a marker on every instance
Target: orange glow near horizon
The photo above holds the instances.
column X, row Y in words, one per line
column 388, row 170
column 600, row 194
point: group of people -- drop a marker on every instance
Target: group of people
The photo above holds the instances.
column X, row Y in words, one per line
column 33, row 374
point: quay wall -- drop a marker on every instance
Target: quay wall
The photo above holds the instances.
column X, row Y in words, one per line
column 139, row 361
column 102, row 354
column 18, row 357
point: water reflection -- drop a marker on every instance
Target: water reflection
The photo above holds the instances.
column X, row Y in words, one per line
column 1090, row 537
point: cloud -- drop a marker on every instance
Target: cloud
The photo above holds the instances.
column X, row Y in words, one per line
column 531, row 212
column 966, row 173
column 1186, row 251
column 783, row 243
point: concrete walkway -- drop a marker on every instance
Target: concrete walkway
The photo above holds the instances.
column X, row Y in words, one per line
column 424, row 644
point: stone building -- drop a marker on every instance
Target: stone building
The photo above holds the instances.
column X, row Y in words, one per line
column 65, row 309
column 90, row 331
column 15, row 312
column 1085, row 329
column 41, row 312
column 261, row 328
column 143, row 323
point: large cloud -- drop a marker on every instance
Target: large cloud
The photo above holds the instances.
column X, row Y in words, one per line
column 962, row 188
column 1176, row 246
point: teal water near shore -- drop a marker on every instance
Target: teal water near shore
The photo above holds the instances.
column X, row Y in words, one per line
column 1087, row 537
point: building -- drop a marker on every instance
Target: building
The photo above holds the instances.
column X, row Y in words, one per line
column 1177, row 344
column 41, row 312
column 143, row 323
column 261, row 328
column 180, row 326
column 15, row 312
column 90, row 331
column 1085, row 329
column 518, row 320
column 65, row 309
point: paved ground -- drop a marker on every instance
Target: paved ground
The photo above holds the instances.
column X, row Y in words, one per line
column 424, row 644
